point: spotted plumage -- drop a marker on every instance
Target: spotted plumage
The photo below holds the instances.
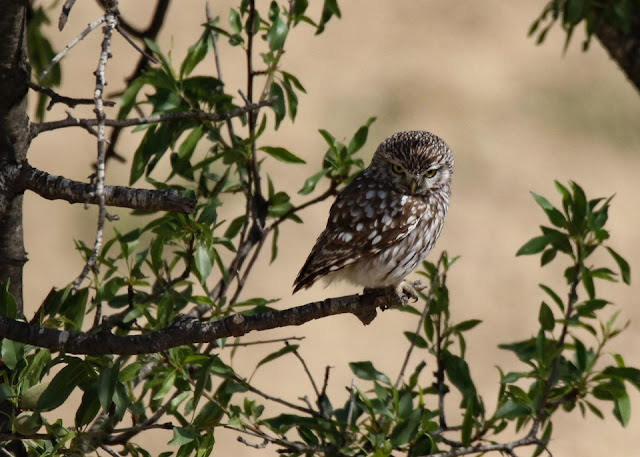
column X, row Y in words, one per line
column 385, row 222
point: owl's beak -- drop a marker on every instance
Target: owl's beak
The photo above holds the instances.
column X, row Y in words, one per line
column 413, row 185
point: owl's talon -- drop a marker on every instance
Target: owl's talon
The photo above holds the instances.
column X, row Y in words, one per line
column 411, row 290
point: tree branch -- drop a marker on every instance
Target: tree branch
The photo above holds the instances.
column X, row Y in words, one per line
column 187, row 330
column 51, row 187
column 624, row 47
column 528, row 440
column 57, row 98
column 38, row 128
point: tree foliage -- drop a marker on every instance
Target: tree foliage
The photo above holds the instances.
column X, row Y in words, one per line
column 190, row 267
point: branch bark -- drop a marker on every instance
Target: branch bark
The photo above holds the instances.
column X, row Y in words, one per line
column 14, row 135
column 18, row 178
column 623, row 47
column 188, row 330
column 38, row 128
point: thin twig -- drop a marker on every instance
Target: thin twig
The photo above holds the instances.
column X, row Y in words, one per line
column 109, row 451
column 111, row 22
column 216, row 56
column 126, row 36
column 275, row 340
column 57, row 98
column 306, row 370
column 255, row 446
column 91, row 27
column 571, row 300
column 352, row 404
column 38, row 128
column 405, row 363
column 64, row 14
column 274, row 399
column 528, row 440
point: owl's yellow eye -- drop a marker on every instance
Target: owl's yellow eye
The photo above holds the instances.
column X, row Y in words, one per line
column 431, row 173
column 397, row 169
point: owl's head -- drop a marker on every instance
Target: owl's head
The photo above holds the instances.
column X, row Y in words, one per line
column 413, row 163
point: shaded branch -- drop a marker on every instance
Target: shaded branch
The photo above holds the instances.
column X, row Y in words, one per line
column 528, row 440
column 187, row 330
column 19, row 178
column 57, row 98
column 38, row 128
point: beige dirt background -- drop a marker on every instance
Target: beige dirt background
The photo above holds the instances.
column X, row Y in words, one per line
column 516, row 115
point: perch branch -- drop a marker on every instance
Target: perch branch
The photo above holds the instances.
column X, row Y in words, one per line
column 187, row 330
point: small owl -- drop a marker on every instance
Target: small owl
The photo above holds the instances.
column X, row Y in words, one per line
column 385, row 222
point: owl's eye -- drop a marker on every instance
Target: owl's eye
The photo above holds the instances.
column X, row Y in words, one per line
column 431, row 173
column 397, row 169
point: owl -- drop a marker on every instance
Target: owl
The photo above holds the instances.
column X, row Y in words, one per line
column 385, row 222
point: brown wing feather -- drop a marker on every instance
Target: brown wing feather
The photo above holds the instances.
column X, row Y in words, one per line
column 365, row 219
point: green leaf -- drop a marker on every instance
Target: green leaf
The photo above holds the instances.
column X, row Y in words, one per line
column 63, row 383
column 533, row 246
column 235, row 21
column 234, row 227
column 555, row 216
column 279, row 107
column 329, row 9
column 274, row 244
column 282, row 154
column 311, row 182
column 458, row 373
column 181, row 436
column 164, row 61
column 6, row 392
column 581, row 355
column 12, row 353
column 195, row 54
column 547, row 256
column 511, row 410
column 365, row 370
column 203, row 262
column 553, row 295
column 587, row 308
column 625, row 270
column 416, row 340
column 360, row 137
column 622, row 409
column 465, row 325
column 406, row 430
column 277, row 34
column 129, row 372
column 467, row 422
column 89, row 407
column 627, row 373
column 279, row 353
column 7, row 302
column 545, row 317
column 107, row 381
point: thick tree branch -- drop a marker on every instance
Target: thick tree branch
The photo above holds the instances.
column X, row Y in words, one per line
column 38, row 128
column 623, row 47
column 187, row 330
column 14, row 135
column 18, row 178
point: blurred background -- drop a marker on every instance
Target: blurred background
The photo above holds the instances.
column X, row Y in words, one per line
column 516, row 115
